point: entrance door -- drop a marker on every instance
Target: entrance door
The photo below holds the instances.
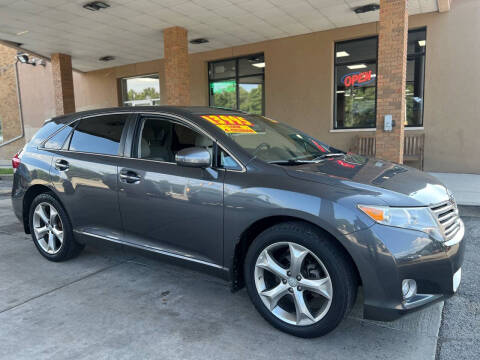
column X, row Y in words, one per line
column 166, row 206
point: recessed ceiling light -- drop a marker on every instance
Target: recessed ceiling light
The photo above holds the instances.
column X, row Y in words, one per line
column 199, row 41
column 96, row 5
column 342, row 54
column 366, row 8
column 20, row 33
column 420, row 42
column 107, row 58
column 259, row 65
column 357, row 66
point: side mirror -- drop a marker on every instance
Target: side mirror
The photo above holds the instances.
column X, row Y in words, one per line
column 193, row 157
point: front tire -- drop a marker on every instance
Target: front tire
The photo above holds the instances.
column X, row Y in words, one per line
column 299, row 279
column 51, row 229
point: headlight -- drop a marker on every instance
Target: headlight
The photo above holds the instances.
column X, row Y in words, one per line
column 417, row 218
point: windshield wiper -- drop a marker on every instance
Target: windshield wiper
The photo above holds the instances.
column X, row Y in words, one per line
column 291, row 162
column 305, row 161
column 324, row 156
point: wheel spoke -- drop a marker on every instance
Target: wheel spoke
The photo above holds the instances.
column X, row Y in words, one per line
column 267, row 262
column 301, row 307
column 320, row 286
column 274, row 295
column 51, row 242
column 58, row 234
column 40, row 211
column 297, row 255
column 40, row 231
column 53, row 215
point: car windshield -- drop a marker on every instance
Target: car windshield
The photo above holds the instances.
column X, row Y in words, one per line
column 272, row 141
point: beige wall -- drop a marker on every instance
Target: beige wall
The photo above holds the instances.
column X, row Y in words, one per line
column 9, row 107
column 299, row 83
column 38, row 103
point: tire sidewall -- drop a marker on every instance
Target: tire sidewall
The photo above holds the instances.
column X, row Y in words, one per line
column 67, row 227
column 313, row 242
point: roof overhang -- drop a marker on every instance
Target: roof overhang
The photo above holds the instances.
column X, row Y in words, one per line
column 131, row 30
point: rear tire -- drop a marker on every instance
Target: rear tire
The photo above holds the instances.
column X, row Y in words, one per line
column 306, row 295
column 51, row 229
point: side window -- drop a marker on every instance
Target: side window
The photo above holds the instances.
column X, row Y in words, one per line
column 161, row 139
column 56, row 141
column 45, row 131
column 99, row 135
column 227, row 162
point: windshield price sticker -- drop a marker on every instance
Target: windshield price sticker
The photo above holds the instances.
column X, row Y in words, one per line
column 231, row 124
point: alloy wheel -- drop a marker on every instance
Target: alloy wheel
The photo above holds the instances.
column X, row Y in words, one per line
column 293, row 283
column 48, row 228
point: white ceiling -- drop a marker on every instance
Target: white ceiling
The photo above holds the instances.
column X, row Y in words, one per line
column 131, row 30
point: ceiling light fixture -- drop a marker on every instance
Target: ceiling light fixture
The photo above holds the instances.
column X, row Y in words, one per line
column 422, row 42
column 357, row 66
column 366, row 8
column 106, row 58
column 96, row 5
column 199, row 41
column 259, row 65
column 342, row 54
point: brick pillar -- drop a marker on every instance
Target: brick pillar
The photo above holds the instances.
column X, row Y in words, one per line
column 177, row 70
column 391, row 77
column 63, row 83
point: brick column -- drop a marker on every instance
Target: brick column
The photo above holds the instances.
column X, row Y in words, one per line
column 63, row 83
column 391, row 78
column 177, row 69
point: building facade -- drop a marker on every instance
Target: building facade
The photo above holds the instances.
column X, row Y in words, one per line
column 324, row 83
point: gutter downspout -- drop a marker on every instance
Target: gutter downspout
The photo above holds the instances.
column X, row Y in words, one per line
column 20, row 110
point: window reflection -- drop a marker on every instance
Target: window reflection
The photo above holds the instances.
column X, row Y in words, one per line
column 141, row 90
column 238, row 83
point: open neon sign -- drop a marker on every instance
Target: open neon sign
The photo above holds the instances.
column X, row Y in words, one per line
column 358, row 78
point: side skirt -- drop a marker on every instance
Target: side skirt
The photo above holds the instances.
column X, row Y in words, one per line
column 168, row 256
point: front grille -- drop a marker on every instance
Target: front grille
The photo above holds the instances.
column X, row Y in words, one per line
column 448, row 218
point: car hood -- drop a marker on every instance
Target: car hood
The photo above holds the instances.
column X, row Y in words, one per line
column 394, row 184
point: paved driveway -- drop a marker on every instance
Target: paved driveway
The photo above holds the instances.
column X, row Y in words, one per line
column 109, row 303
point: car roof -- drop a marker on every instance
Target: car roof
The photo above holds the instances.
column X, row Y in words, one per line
column 178, row 110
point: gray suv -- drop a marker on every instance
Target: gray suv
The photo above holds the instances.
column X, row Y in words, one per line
column 302, row 225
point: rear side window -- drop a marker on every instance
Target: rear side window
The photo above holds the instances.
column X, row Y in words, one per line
column 99, row 135
column 56, row 141
column 45, row 131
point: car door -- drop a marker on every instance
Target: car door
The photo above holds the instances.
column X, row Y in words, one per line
column 170, row 208
column 84, row 173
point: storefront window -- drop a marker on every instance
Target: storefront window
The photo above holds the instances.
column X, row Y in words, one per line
column 141, row 90
column 356, row 81
column 238, row 83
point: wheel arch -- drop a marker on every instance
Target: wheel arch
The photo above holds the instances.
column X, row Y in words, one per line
column 28, row 198
column 249, row 235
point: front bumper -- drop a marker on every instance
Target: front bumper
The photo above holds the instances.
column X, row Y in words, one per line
column 389, row 255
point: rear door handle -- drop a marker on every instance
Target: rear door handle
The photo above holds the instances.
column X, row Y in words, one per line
column 129, row 176
column 61, row 165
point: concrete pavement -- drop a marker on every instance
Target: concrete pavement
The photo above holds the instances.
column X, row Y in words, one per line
column 111, row 303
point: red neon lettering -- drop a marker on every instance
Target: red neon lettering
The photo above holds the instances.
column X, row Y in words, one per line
column 359, row 78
